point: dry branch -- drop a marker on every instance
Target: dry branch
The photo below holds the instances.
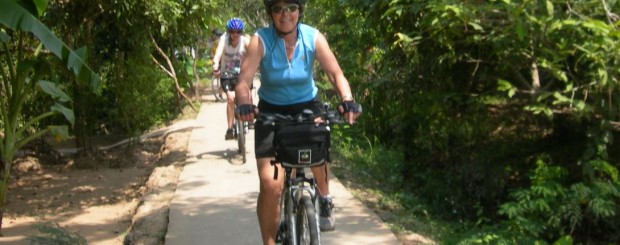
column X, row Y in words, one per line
column 170, row 71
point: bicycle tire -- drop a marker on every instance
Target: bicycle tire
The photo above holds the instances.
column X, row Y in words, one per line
column 290, row 231
column 241, row 138
column 217, row 91
column 307, row 223
column 245, row 131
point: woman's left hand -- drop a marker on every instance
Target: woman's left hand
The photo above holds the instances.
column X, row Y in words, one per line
column 351, row 110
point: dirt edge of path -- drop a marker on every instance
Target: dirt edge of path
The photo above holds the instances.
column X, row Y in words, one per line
column 150, row 220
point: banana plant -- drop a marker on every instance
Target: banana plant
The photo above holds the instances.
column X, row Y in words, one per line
column 23, row 72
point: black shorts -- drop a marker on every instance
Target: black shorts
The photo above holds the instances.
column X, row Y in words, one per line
column 263, row 134
column 228, row 84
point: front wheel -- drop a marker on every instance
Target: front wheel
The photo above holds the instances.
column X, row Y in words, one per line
column 241, row 138
column 287, row 233
column 307, row 223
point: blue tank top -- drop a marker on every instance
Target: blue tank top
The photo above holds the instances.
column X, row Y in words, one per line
column 285, row 82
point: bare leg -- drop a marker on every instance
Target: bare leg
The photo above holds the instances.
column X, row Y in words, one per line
column 268, row 205
column 230, row 108
column 320, row 174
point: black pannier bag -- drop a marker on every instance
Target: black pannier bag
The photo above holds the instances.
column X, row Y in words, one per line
column 302, row 145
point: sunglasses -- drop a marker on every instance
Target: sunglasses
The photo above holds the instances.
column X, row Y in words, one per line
column 286, row 8
column 235, row 32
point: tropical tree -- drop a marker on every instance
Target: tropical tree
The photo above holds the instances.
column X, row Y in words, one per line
column 26, row 76
column 140, row 48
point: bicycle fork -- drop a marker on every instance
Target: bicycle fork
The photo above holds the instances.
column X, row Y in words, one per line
column 301, row 185
column 294, row 189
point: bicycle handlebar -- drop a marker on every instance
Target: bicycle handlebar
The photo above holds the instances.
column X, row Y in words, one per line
column 307, row 116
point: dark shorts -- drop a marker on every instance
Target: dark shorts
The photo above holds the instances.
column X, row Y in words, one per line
column 263, row 134
column 228, row 84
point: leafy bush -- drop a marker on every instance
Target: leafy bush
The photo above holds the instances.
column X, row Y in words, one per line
column 552, row 207
column 473, row 93
column 141, row 97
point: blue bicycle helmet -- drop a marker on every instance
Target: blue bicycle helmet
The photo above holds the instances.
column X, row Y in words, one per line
column 234, row 24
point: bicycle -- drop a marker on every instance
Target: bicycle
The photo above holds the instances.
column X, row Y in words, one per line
column 240, row 128
column 300, row 143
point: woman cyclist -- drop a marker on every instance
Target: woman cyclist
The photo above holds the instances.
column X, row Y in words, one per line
column 230, row 50
column 285, row 51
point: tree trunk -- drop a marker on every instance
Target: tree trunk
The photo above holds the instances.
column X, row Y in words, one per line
column 196, row 86
column 80, row 105
column 5, row 175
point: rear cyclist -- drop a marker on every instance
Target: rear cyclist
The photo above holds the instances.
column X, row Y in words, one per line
column 215, row 37
column 230, row 51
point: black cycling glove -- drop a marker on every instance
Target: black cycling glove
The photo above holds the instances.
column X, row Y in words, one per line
column 245, row 109
column 351, row 106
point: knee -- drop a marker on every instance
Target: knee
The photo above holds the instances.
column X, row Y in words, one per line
column 271, row 189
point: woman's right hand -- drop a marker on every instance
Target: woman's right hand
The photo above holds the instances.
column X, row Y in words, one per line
column 246, row 112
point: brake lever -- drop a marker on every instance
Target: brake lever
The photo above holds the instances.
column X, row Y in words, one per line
column 333, row 117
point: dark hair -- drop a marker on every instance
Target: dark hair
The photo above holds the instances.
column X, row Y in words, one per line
column 301, row 3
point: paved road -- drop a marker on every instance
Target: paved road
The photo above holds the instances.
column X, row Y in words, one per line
column 216, row 195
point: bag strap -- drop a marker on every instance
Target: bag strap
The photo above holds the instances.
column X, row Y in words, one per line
column 275, row 169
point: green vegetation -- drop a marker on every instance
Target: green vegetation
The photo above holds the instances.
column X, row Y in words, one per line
column 500, row 116
column 26, row 80
column 485, row 122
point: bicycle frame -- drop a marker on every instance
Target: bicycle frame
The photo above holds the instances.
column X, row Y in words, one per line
column 301, row 184
column 299, row 198
column 241, row 128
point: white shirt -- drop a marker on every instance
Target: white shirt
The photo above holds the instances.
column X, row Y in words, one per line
column 228, row 57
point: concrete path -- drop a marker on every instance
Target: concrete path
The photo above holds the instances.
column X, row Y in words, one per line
column 215, row 200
